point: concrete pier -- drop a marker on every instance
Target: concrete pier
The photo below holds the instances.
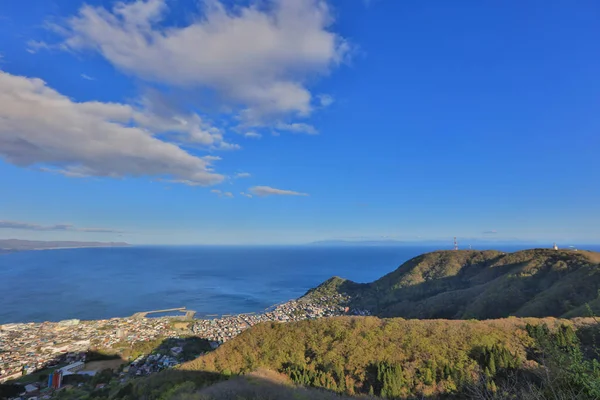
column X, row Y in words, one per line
column 188, row 314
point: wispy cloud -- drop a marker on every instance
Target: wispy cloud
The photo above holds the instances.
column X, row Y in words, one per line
column 325, row 99
column 57, row 227
column 368, row 3
column 33, row 46
column 221, row 193
column 252, row 135
column 491, row 232
column 297, row 127
column 87, row 77
column 263, row 191
column 243, row 175
column 248, row 195
column 71, row 172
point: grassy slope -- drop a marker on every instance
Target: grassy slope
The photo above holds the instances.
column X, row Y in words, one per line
column 190, row 385
column 263, row 385
column 480, row 284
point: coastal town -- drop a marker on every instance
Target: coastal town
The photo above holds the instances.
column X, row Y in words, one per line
column 30, row 347
column 26, row 349
column 220, row 330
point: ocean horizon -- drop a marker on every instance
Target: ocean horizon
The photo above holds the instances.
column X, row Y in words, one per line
column 101, row 283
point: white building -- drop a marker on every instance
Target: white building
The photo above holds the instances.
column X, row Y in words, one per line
column 72, row 368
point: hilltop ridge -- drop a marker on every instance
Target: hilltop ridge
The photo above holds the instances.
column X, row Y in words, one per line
column 488, row 284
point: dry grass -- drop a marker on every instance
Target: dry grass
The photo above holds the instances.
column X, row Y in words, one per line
column 268, row 375
column 266, row 385
column 591, row 255
column 182, row 326
column 104, row 364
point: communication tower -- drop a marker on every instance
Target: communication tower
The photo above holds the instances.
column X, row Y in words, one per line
column 455, row 244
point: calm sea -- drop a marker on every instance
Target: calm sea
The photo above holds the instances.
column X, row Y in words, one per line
column 100, row 283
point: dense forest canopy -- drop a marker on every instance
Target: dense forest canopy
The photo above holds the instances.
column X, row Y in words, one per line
column 397, row 358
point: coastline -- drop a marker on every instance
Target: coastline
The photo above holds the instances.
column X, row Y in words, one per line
column 184, row 310
column 118, row 336
column 15, row 245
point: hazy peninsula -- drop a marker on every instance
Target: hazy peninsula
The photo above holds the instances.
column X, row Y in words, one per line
column 12, row 245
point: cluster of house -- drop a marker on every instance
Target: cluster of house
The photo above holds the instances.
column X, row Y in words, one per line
column 146, row 365
column 225, row 328
column 40, row 390
column 26, row 348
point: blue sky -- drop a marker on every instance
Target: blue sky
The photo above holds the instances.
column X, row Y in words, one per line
column 276, row 122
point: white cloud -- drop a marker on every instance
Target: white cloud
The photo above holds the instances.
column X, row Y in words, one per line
column 325, row 100
column 256, row 58
column 33, row 46
column 248, row 195
column 221, row 193
column 228, row 146
column 40, row 126
column 297, row 127
column 268, row 191
column 70, row 171
column 57, row 227
column 188, row 128
column 242, row 175
column 252, row 135
column 87, row 77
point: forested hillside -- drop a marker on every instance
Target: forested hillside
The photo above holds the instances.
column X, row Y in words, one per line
column 394, row 358
column 368, row 357
column 481, row 285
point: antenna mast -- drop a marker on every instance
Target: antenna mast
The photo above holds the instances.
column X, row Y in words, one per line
column 455, row 244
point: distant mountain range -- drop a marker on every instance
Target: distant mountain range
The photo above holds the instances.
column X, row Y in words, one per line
column 463, row 242
column 359, row 243
column 10, row 245
column 480, row 284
